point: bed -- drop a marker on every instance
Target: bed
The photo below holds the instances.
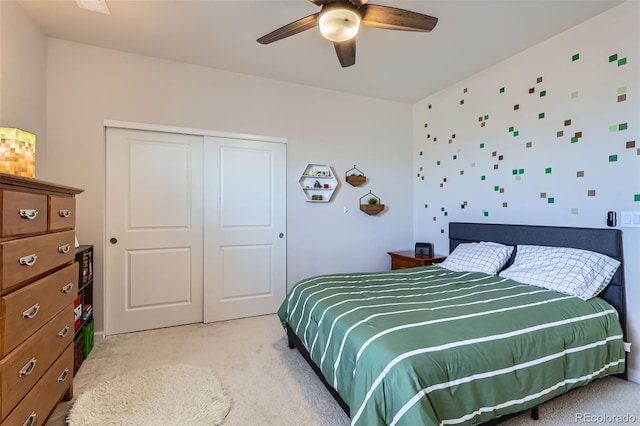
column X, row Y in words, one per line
column 431, row 345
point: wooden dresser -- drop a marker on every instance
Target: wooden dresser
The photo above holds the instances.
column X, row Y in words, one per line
column 38, row 284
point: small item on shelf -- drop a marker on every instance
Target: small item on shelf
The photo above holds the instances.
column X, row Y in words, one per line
column 317, row 185
column 86, row 312
column 326, row 186
column 77, row 312
column 316, row 197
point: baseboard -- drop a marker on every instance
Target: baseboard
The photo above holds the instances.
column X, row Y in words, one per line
column 633, row 375
column 98, row 336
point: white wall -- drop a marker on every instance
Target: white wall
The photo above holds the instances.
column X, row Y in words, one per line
column 87, row 85
column 23, row 76
column 524, row 167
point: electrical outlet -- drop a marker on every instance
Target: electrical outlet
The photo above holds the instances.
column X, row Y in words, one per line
column 630, row 219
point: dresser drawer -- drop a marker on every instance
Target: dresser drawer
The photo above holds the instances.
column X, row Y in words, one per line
column 22, row 368
column 26, row 310
column 61, row 213
column 45, row 395
column 30, row 257
column 404, row 263
column 22, row 213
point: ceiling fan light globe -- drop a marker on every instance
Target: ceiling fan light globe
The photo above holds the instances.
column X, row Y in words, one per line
column 339, row 24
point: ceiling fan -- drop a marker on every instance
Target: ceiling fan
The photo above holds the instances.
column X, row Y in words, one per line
column 340, row 20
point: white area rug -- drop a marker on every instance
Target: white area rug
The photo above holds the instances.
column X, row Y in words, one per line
column 159, row 395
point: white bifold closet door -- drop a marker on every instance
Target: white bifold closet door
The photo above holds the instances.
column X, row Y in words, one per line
column 194, row 229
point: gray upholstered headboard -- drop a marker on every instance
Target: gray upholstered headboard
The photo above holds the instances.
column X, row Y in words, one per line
column 605, row 241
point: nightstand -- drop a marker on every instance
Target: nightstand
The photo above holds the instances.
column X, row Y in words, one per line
column 408, row 259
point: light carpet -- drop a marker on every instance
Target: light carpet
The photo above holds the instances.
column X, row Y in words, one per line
column 272, row 385
column 157, row 395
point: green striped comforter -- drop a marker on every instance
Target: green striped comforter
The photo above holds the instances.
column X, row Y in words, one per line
column 430, row 346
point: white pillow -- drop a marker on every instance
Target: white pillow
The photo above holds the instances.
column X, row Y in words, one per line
column 484, row 257
column 576, row 272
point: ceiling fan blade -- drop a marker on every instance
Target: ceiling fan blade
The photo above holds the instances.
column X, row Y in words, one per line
column 290, row 29
column 358, row 3
column 346, row 51
column 391, row 18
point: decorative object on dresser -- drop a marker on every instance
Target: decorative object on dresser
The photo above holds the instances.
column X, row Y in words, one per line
column 408, row 259
column 17, row 152
column 38, row 285
column 371, row 205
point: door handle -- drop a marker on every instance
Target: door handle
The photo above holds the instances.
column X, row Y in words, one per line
column 113, row 240
column 281, row 235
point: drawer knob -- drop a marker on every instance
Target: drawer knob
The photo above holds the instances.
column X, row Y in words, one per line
column 29, row 213
column 29, row 260
column 64, row 213
column 64, row 249
column 63, row 333
column 28, row 368
column 62, row 377
column 31, row 420
column 31, row 312
column 67, row 288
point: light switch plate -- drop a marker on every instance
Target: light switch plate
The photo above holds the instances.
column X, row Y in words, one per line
column 630, row 219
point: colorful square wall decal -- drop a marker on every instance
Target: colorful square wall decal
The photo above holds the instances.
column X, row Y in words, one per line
column 591, row 193
column 574, row 210
column 580, row 173
column 613, row 158
column 574, row 95
column 575, row 57
column 613, row 58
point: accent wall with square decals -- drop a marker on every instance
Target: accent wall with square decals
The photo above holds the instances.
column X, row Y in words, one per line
column 548, row 136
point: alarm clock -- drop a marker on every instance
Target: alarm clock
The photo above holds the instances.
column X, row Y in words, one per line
column 424, row 249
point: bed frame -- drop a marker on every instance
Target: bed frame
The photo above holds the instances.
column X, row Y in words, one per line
column 605, row 241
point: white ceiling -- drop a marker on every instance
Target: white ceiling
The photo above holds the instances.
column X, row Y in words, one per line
column 394, row 65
